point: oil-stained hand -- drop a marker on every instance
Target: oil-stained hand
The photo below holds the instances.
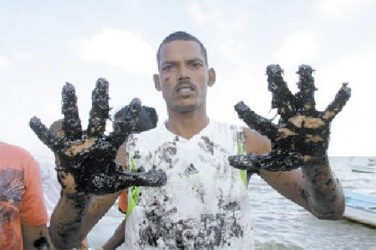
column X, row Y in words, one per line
column 85, row 158
column 302, row 132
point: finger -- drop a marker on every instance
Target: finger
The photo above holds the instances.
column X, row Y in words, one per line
column 342, row 96
column 305, row 97
column 272, row 162
column 134, row 108
column 103, row 184
column 46, row 136
column 71, row 122
column 147, row 119
column 255, row 121
column 126, row 123
column 282, row 98
column 151, row 178
column 278, row 161
column 245, row 162
column 100, row 109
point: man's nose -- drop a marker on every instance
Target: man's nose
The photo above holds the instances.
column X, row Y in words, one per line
column 183, row 72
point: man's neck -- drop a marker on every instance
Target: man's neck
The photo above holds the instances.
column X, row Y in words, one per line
column 186, row 126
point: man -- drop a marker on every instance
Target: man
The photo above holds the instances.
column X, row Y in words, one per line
column 203, row 204
column 23, row 216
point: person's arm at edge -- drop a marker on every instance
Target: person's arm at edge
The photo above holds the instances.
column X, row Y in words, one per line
column 117, row 238
column 33, row 212
column 35, row 236
column 313, row 186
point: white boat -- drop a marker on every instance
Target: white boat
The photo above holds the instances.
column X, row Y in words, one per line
column 360, row 208
column 368, row 166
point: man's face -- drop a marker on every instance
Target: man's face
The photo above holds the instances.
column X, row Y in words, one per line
column 183, row 76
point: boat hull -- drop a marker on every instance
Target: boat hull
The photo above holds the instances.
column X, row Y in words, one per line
column 363, row 169
column 363, row 165
column 360, row 208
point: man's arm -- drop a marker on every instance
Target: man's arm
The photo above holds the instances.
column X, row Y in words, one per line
column 298, row 144
column 85, row 163
column 313, row 187
column 75, row 215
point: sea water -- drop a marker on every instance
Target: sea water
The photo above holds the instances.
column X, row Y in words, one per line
column 281, row 224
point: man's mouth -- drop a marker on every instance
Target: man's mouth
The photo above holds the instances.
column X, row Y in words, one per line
column 185, row 89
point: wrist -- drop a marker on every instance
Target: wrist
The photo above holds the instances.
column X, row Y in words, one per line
column 74, row 195
column 315, row 159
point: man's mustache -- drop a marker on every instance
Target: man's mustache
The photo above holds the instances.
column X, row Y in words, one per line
column 185, row 84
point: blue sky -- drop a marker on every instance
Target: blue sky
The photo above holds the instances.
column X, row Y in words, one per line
column 44, row 44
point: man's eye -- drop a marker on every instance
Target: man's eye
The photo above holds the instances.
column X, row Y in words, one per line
column 167, row 67
column 196, row 64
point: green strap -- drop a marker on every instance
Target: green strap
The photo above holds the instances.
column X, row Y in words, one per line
column 135, row 192
column 240, row 151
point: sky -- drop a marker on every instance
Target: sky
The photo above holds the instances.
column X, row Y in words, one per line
column 46, row 43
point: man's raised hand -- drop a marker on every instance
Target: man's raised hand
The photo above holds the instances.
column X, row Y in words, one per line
column 302, row 132
column 85, row 158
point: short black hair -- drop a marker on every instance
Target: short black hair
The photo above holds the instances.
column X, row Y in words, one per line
column 182, row 35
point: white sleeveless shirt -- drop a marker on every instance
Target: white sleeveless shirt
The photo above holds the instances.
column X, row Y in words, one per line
column 204, row 204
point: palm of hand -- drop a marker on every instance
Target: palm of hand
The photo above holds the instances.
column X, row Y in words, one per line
column 85, row 159
column 302, row 132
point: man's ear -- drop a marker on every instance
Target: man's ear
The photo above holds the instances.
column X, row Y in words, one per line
column 157, row 83
column 212, row 77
